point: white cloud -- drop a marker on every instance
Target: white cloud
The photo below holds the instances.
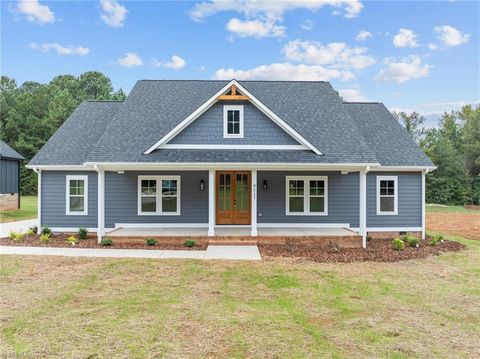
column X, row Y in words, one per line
column 285, row 71
column 406, row 69
column 405, row 38
column 352, row 95
column 113, row 14
column 363, row 35
column 130, row 59
column 335, row 54
column 176, row 63
column 307, row 25
column 156, row 63
column 61, row 50
column 35, row 12
column 450, row 36
column 271, row 9
column 255, row 28
column 432, row 46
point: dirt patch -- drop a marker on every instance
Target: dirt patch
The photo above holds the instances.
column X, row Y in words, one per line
column 60, row 240
column 465, row 225
column 473, row 207
column 378, row 250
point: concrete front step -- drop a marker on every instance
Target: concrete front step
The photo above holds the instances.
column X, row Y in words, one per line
column 233, row 242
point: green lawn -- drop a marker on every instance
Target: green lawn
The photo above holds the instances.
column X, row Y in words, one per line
column 124, row 308
column 28, row 210
column 446, row 209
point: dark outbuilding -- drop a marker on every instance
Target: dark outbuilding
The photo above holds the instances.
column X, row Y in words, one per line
column 9, row 177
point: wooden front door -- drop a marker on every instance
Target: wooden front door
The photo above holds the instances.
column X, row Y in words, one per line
column 233, row 197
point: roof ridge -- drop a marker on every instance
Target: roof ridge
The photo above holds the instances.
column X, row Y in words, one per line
column 206, row 80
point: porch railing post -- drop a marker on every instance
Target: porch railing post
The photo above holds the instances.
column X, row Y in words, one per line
column 211, row 203
column 254, row 203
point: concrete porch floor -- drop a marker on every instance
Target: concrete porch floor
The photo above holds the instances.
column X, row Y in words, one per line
column 232, row 232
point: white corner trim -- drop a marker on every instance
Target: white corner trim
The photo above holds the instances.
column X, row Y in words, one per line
column 212, row 100
column 363, row 206
column 158, row 196
column 306, row 196
column 227, row 108
column 83, row 178
column 39, row 199
column 231, row 147
column 423, row 204
column 211, row 203
column 395, row 196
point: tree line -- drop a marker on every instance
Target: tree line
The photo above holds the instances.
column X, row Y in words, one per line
column 32, row 112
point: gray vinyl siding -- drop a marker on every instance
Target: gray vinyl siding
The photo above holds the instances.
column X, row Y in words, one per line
column 343, row 198
column 121, row 199
column 258, row 128
column 54, row 201
column 409, row 200
column 8, row 176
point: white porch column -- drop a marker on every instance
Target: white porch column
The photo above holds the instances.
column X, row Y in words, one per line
column 423, row 204
column 363, row 207
column 211, row 203
column 39, row 197
column 101, row 205
column 254, row 203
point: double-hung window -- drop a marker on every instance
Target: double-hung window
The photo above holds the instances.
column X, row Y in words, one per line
column 158, row 195
column 77, row 195
column 387, row 195
column 232, row 121
column 307, row 195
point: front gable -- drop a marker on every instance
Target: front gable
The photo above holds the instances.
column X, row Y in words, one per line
column 203, row 128
column 258, row 129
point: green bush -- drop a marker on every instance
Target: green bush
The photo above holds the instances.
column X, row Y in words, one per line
column 45, row 238
column 82, row 233
column 46, row 230
column 72, row 240
column 106, row 241
column 369, row 238
column 31, row 231
column 15, row 236
column 190, row 243
column 398, row 244
column 151, row 241
column 436, row 239
column 411, row 240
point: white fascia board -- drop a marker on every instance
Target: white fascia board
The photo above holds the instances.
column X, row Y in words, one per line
column 62, row 167
column 195, row 114
column 402, row 168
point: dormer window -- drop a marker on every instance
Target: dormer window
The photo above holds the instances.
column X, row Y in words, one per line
column 233, row 121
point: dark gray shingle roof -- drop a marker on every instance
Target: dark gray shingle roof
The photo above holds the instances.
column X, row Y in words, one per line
column 7, row 152
column 385, row 136
column 122, row 132
column 78, row 135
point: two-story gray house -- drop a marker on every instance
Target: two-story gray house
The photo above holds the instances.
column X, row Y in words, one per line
column 232, row 154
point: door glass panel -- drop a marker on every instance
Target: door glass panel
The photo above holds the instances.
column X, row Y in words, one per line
column 241, row 194
column 224, row 192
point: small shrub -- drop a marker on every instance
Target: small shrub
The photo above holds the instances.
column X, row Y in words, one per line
column 82, row 233
column 45, row 238
column 190, row 243
column 151, row 241
column 72, row 240
column 46, row 230
column 32, row 230
column 106, row 241
column 398, row 244
column 436, row 239
column 411, row 240
column 15, row 236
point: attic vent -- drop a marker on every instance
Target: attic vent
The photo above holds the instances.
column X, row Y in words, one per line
column 233, row 94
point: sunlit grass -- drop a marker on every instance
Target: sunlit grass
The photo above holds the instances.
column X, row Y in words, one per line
column 28, row 210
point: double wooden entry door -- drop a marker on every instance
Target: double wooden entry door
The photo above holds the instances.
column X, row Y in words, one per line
column 233, row 197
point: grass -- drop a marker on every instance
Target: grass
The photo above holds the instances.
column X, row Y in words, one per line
column 28, row 210
column 85, row 307
column 449, row 209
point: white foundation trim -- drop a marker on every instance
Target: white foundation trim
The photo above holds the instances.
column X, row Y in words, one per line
column 75, row 229
column 161, row 225
column 211, row 203
column 394, row 229
column 303, row 225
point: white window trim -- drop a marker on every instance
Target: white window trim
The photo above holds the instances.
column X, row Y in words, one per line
column 69, row 178
column 395, row 197
column 158, row 211
column 306, row 197
column 227, row 108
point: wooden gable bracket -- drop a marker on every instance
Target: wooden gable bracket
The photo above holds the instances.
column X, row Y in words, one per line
column 233, row 96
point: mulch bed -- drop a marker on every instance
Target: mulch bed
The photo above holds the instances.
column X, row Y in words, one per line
column 60, row 240
column 378, row 250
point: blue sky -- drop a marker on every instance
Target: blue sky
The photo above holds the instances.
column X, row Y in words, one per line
column 422, row 56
